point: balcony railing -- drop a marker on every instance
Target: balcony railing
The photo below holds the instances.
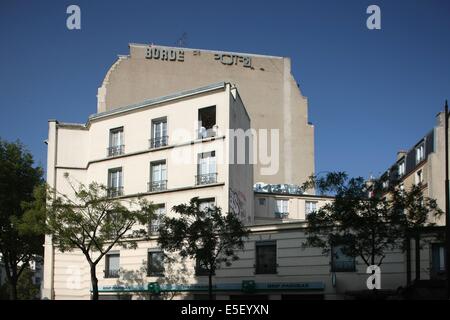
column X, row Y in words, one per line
column 113, row 273
column 206, row 133
column 207, row 178
column 115, row 192
column 116, row 150
column 159, row 142
column 157, row 185
column 153, row 227
column 281, row 215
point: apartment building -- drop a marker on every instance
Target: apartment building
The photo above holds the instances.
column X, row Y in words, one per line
column 424, row 165
column 168, row 149
column 271, row 95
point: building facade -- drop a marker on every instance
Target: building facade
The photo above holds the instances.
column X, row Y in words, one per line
column 271, row 95
column 424, row 165
column 137, row 151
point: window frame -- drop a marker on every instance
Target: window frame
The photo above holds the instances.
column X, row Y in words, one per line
column 108, row 256
column 420, row 152
column 334, row 268
column 151, row 271
column 266, row 244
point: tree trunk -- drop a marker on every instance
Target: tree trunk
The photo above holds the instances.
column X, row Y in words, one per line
column 94, row 282
column 13, row 289
column 210, row 289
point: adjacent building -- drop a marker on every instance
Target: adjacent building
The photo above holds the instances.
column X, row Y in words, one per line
column 424, row 165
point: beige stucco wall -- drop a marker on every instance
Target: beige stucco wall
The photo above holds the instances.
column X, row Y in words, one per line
column 295, row 264
column 268, row 89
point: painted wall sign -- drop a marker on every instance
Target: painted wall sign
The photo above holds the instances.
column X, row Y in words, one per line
column 230, row 59
column 156, row 53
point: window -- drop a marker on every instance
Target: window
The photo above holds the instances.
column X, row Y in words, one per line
column 116, row 146
column 158, row 176
column 206, row 168
column 420, row 154
column 207, row 122
column 206, row 204
column 155, row 264
column 401, row 168
column 160, row 211
column 266, row 257
column 310, row 206
column 262, row 201
column 419, row 176
column 438, row 261
column 385, row 184
column 340, row 262
column 282, row 210
column 115, row 186
column 159, row 133
column 112, row 265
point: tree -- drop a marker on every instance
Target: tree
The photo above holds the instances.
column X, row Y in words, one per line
column 18, row 179
column 26, row 289
column 94, row 223
column 365, row 218
column 206, row 235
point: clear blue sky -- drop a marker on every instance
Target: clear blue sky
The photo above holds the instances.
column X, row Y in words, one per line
column 370, row 93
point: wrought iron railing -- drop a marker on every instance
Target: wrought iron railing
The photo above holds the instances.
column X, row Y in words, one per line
column 206, row 133
column 115, row 192
column 281, row 215
column 116, row 150
column 206, row 178
column 159, row 142
column 157, row 185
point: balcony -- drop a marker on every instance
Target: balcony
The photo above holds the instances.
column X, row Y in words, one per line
column 281, row 215
column 207, row 178
column 160, row 185
column 114, row 151
column 153, row 227
column 115, row 192
column 206, row 133
column 113, row 273
column 159, row 142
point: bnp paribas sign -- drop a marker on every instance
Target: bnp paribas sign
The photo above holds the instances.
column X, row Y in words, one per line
column 175, row 54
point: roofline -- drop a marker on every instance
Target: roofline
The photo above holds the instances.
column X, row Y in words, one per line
column 158, row 100
column 147, row 103
column 206, row 50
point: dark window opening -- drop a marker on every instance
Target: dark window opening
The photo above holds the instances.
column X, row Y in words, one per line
column 207, row 122
column 266, row 257
column 155, row 263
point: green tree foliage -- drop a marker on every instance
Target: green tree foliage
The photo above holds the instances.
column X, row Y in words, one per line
column 18, row 179
column 207, row 236
column 94, row 223
column 365, row 218
column 26, row 289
